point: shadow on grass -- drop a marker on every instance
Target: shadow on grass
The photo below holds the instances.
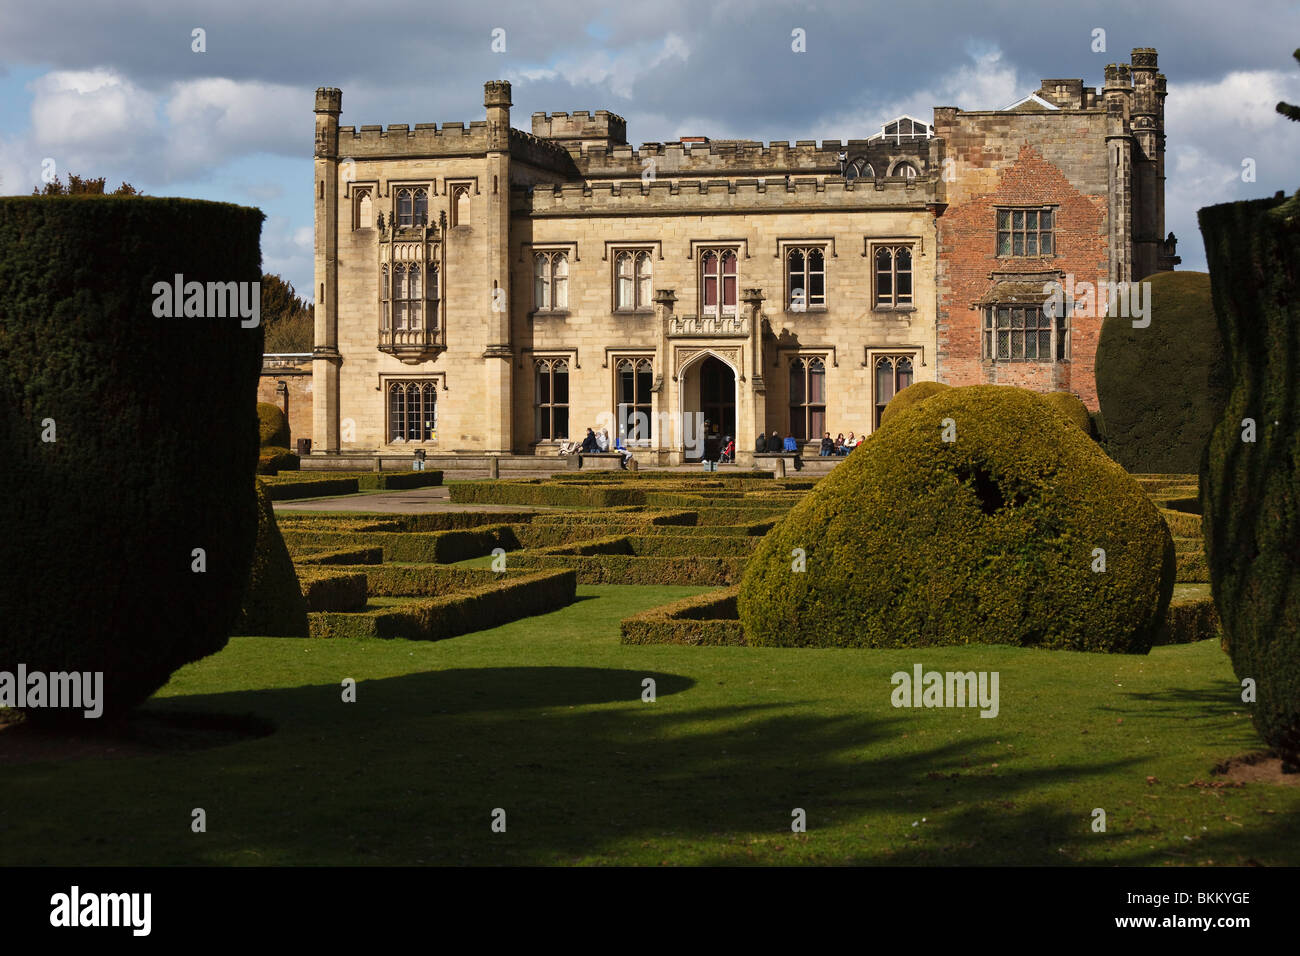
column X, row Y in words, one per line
column 585, row 770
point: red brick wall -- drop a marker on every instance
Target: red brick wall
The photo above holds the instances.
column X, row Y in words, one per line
column 300, row 414
column 967, row 253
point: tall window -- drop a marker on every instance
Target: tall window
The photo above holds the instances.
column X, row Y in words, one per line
column 1017, row 333
column 859, row 167
column 632, row 280
column 460, row 205
column 551, row 399
column 1025, row 232
column 365, row 210
column 805, row 278
column 412, row 206
column 894, row 277
column 409, row 296
column 550, row 281
column 635, row 377
column 893, row 374
column 718, row 281
column 807, row 398
column 412, row 411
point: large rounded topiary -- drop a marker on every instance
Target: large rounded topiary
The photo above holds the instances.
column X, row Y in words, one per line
column 1069, row 405
column 912, row 395
column 1250, row 490
column 273, row 603
column 272, row 426
column 129, row 438
column 1162, row 387
column 988, row 538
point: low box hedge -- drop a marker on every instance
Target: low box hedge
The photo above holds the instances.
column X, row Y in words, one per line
column 1182, row 525
column 420, row 547
column 339, row 556
column 508, row 599
column 332, row 590
column 630, row 569
column 706, row 619
column 271, row 460
column 1192, row 567
column 427, row 580
column 297, row 487
column 547, row 495
column 1189, row 620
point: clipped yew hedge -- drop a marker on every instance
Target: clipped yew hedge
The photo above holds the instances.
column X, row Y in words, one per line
column 272, row 426
column 1162, row 387
column 272, row 461
column 549, row 495
column 284, row 490
column 273, row 600
column 1250, row 491
column 341, row 556
column 1070, row 406
column 914, row 394
column 708, row 619
column 499, row 602
column 630, row 569
column 99, row 576
column 915, row 541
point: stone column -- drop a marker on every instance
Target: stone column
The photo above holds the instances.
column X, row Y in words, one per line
column 751, row 417
column 326, row 359
column 498, row 355
column 1119, row 161
column 665, row 301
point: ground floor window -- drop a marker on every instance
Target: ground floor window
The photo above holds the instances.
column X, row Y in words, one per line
column 412, row 411
column 1017, row 333
column 807, row 398
column 893, row 373
column 551, row 399
column 634, row 380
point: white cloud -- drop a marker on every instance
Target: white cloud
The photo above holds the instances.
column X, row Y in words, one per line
column 90, row 109
column 617, row 72
column 213, row 120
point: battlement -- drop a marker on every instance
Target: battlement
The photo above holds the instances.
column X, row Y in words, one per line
column 599, row 128
column 712, row 196
column 746, row 157
column 329, row 99
column 425, row 139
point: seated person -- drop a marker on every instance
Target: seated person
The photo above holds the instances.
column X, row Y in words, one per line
column 728, row 450
column 827, row 446
column 602, row 440
column 790, row 444
column 774, row 443
column 760, row 446
column 589, row 444
column 850, row 443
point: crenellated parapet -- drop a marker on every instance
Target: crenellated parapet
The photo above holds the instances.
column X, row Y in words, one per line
column 748, row 158
column 703, row 197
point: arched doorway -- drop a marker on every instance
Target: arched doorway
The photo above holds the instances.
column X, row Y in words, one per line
column 709, row 391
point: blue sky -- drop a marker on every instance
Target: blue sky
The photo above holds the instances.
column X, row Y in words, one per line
column 117, row 90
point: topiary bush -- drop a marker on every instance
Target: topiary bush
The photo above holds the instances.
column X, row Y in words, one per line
column 272, row 426
column 1250, row 491
column 273, row 602
column 912, row 395
column 1069, row 405
column 990, row 538
column 272, row 461
column 1161, row 388
column 103, row 576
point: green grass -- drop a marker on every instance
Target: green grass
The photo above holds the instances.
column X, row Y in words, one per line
column 543, row 718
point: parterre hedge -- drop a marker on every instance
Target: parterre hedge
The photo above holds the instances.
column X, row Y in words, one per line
column 163, row 409
column 630, row 569
column 705, row 619
column 310, row 487
column 917, row 541
column 434, row 547
column 271, row 461
column 340, row 556
column 529, row 493
column 1251, row 490
column 332, row 590
column 499, row 602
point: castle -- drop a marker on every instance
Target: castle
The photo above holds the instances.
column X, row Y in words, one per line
column 485, row 290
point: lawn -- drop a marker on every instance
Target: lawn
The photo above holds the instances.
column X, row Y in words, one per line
column 544, row 718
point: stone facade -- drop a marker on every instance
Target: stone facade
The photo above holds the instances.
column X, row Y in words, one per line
column 481, row 289
column 286, row 383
